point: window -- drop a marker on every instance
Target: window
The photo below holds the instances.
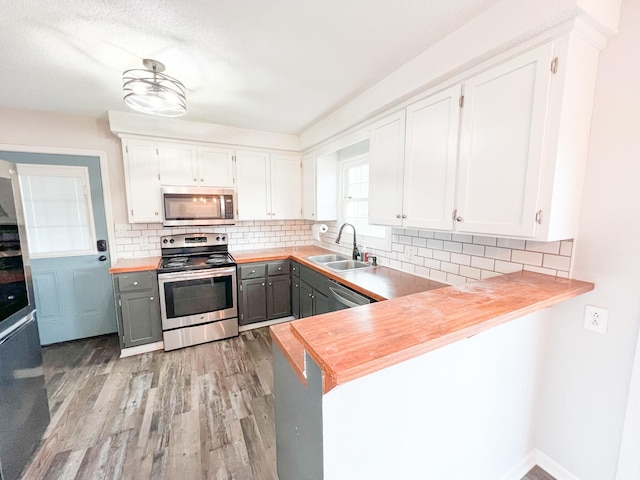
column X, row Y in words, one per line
column 58, row 211
column 355, row 189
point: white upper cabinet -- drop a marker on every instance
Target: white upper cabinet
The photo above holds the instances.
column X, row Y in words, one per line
column 521, row 150
column 413, row 169
column 502, row 144
column 268, row 186
column 215, row 167
column 142, row 181
column 430, row 161
column 188, row 165
column 386, row 167
column 286, row 187
column 319, row 187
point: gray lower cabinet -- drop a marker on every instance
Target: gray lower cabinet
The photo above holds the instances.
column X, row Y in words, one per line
column 264, row 291
column 312, row 301
column 314, row 293
column 295, row 289
column 137, row 308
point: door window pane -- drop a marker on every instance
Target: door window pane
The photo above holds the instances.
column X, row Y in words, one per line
column 58, row 211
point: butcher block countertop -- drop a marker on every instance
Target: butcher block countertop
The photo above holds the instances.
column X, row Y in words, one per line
column 127, row 265
column 379, row 283
column 349, row 344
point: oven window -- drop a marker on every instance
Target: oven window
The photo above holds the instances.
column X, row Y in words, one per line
column 182, row 206
column 192, row 297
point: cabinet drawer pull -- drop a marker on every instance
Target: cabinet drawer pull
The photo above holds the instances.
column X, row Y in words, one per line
column 135, row 283
column 253, row 271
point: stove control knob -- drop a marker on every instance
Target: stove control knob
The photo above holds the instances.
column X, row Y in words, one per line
column 171, row 241
column 165, row 241
column 224, row 238
column 218, row 238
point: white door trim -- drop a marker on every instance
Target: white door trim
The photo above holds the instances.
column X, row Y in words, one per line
column 104, row 173
column 629, row 458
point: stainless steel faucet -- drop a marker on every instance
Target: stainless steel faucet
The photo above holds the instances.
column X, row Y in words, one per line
column 355, row 254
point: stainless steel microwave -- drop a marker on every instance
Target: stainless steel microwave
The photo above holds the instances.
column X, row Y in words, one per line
column 184, row 206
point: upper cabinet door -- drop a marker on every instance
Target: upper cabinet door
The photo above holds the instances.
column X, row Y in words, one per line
column 430, row 160
column 501, row 146
column 142, row 179
column 215, row 167
column 309, row 187
column 253, row 192
column 286, row 187
column 178, row 164
column 386, row 160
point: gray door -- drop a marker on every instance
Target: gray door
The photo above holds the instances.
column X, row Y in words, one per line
column 73, row 292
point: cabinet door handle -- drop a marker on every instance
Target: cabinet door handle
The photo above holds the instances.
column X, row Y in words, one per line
column 310, row 295
column 195, row 179
column 398, row 215
column 263, row 284
column 202, row 179
column 404, row 216
column 270, row 283
column 151, row 298
column 459, row 218
column 156, row 213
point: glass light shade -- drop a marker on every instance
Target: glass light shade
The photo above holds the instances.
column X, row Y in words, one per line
column 155, row 93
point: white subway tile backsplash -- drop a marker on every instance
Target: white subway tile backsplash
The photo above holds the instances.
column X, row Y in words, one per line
column 543, row 247
column 453, row 247
column 526, row 257
column 566, row 248
column 507, row 267
column 498, row 253
column 485, row 240
column 460, row 259
column 511, row 243
column 442, row 256
column 556, row 262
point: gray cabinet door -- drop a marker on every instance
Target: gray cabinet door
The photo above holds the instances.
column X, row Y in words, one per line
column 295, row 297
column 254, row 301
column 140, row 318
column 278, row 297
column 306, row 300
column 320, row 303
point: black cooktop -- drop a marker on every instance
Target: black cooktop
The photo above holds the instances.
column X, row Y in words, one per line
column 196, row 262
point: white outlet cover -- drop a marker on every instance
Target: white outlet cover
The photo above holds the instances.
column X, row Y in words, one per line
column 596, row 318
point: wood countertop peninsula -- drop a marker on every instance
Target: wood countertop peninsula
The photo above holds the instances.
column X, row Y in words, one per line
column 141, row 264
column 352, row 343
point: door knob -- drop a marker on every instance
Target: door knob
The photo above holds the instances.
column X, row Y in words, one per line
column 102, row 258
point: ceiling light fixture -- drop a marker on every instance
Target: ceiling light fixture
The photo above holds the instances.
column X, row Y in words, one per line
column 151, row 91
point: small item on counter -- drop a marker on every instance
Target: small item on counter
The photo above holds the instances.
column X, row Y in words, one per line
column 375, row 261
column 365, row 254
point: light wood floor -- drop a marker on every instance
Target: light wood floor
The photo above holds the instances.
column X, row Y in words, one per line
column 204, row 412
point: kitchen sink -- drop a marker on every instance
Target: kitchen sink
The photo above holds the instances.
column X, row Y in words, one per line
column 343, row 265
column 322, row 259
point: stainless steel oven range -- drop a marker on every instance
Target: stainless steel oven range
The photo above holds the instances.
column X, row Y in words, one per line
column 197, row 280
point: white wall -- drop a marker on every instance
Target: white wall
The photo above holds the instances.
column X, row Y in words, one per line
column 465, row 411
column 587, row 375
column 45, row 129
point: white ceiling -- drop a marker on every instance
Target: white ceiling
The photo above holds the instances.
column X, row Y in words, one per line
column 271, row 65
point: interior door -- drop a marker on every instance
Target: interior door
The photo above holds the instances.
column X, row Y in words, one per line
column 65, row 219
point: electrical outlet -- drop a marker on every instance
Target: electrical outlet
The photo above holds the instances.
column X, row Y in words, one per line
column 595, row 318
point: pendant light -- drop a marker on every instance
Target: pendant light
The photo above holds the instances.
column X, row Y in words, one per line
column 153, row 92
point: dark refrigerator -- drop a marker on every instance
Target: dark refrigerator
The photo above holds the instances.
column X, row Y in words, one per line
column 24, row 409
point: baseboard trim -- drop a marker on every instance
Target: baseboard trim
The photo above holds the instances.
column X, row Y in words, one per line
column 149, row 347
column 522, row 468
column 553, row 468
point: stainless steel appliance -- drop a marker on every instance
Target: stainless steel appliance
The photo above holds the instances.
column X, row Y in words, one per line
column 198, row 206
column 198, row 297
column 341, row 297
column 24, row 409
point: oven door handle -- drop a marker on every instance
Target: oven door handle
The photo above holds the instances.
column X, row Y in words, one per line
column 208, row 273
